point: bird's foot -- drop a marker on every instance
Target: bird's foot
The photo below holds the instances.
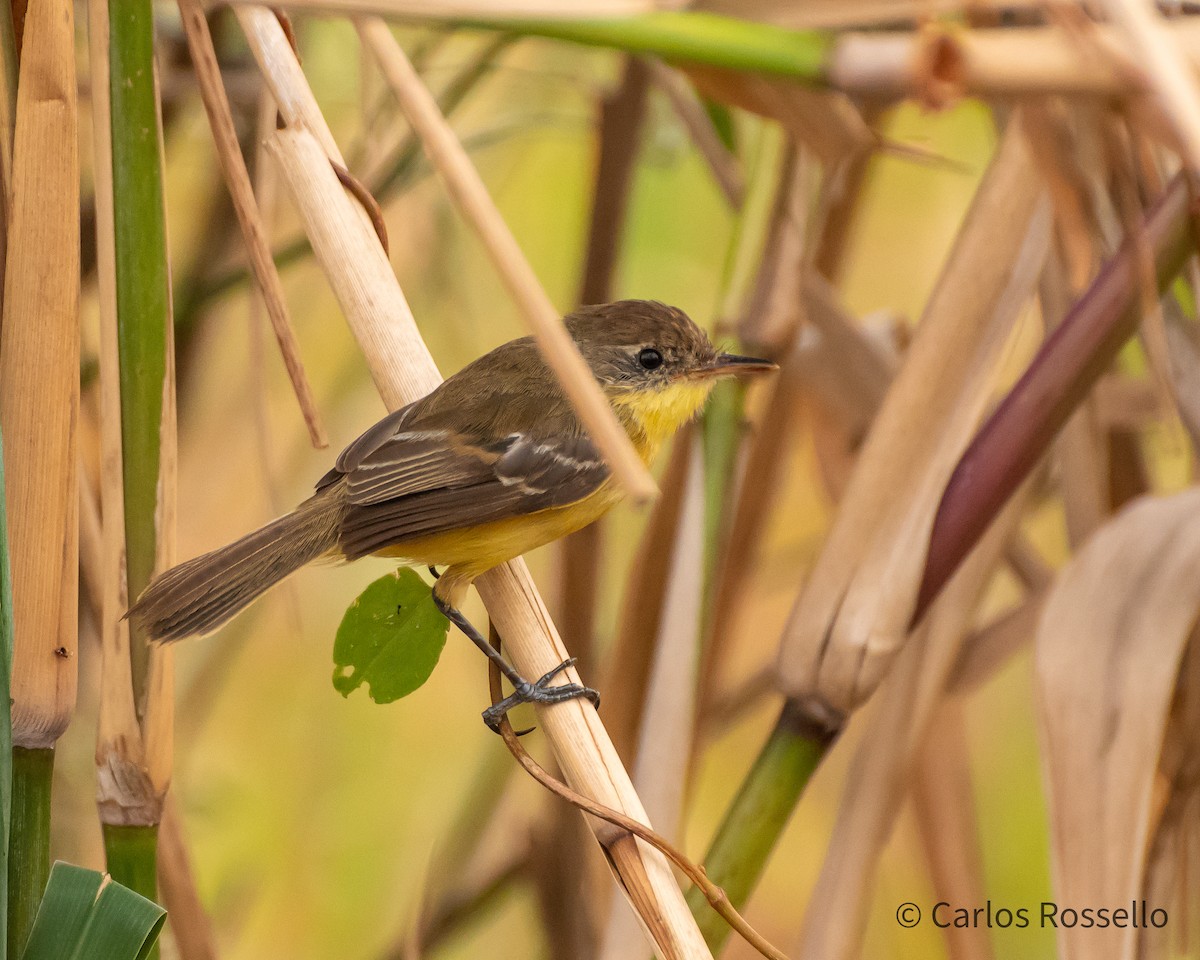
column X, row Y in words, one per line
column 540, row 692
column 523, row 690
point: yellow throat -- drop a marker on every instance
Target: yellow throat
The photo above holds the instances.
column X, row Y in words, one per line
column 651, row 416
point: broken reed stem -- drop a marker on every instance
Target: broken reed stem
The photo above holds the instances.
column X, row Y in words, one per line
column 713, row 894
column 254, row 234
column 39, row 405
column 1004, row 451
column 466, row 187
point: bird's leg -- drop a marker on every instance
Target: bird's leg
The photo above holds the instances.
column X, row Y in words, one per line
column 524, row 691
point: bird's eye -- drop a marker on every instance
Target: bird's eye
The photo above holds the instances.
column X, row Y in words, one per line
column 649, row 358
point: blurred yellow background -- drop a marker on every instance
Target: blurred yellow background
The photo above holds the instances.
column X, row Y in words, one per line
column 312, row 818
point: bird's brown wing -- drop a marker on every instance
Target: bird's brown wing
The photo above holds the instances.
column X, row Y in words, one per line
column 422, row 482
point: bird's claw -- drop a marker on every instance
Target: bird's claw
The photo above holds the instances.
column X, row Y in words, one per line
column 539, row 692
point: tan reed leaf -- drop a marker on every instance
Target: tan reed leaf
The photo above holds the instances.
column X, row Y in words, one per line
column 660, row 772
column 190, row 926
column 944, row 806
column 994, row 644
column 884, row 761
column 39, row 378
column 254, row 234
column 628, row 674
column 1158, row 53
column 1109, row 647
column 854, row 612
column 467, row 189
column 403, row 370
column 133, row 756
column 826, row 122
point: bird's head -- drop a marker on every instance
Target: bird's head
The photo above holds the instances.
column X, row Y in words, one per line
column 645, row 345
column 656, row 366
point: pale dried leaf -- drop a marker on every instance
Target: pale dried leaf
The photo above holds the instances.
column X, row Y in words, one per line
column 1108, row 651
column 854, row 612
column 665, row 740
column 883, row 764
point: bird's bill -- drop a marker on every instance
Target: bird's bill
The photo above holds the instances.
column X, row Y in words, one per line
column 730, row 364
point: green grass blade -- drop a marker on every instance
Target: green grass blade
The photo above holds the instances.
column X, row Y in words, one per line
column 691, row 37
column 86, row 916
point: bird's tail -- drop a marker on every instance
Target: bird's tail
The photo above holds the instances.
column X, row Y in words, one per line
column 198, row 596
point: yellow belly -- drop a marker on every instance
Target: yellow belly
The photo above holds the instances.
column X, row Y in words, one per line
column 473, row 550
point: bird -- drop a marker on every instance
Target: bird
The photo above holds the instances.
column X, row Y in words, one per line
column 491, row 464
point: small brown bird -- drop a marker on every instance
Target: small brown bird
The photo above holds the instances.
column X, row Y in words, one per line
column 491, row 464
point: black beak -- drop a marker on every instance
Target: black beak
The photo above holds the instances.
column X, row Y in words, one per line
column 730, row 364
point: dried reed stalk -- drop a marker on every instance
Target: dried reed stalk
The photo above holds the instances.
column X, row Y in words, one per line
column 1018, row 432
column 190, row 926
column 628, row 674
column 237, row 178
column 1105, row 706
column 854, row 611
column 403, row 370
column 135, row 736
column 944, row 807
column 884, row 761
column 666, row 736
column 39, row 379
column 466, row 187
column 1160, row 56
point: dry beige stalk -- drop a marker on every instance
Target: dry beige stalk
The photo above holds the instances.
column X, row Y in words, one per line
column 466, row 187
column 993, row 645
column 628, row 668
column 854, row 612
column 1158, row 53
column 884, row 762
column 1109, row 648
column 39, row 378
column 190, row 926
column 665, row 740
column 825, row 121
column 134, row 742
column 403, row 370
column 944, row 807
column 237, row 178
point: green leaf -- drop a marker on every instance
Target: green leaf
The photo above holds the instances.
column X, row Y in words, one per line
column 88, row 916
column 390, row 638
column 689, row 37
